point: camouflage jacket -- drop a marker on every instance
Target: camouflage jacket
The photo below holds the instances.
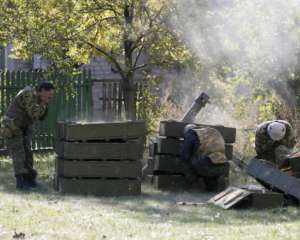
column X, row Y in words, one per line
column 212, row 144
column 274, row 151
column 24, row 110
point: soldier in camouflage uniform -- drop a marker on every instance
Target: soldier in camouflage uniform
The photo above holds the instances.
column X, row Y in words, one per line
column 30, row 105
column 203, row 155
column 274, row 141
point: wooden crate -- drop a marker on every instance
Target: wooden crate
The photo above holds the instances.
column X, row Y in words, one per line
column 172, row 165
column 175, row 130
column 131, row 150
column 98, row 169
column 179, row 183
column 167, row 163
column 75, row 131
column 100, row 187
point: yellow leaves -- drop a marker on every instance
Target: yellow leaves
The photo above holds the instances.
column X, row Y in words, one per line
column 19, row 50
column 79, row 55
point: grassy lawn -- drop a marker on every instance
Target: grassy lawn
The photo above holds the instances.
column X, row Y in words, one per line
column 45, row 214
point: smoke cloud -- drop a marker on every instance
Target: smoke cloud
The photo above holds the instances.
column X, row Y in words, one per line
column 256, row 38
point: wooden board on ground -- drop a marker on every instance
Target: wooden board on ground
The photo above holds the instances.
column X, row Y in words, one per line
column 172, row 146
column 74, row 131
column 99, row 169
column 234, row 197
column 100, row 187
column 132, row 150
column 175, row 129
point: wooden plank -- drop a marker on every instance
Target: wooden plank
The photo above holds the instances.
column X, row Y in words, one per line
column 175, row 183
column 173, row 146
column 114, row 101
column 99, row 169
column 170, row 146
column 104, row 101
column 170, row 182
column 272, row 178
column 120, row 100
column 266, row 200
column 167, row 163
column 172, row 165
column 229, row 151
column 175, row 129
column 73, row 131
column 100, row 187
column 152, row 148
column 132, row 150
column 178, row 182
column 234, row 197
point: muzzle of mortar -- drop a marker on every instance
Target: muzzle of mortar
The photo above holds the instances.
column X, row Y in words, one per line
column 197, row 105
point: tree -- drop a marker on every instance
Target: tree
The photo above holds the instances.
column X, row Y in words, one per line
column 133, row 35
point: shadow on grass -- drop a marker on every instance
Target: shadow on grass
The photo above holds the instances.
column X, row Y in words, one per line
column 45, row 169
column 154, row 206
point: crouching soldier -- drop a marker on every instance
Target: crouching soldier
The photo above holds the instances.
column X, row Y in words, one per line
column 203, row 155
column 274, row 141
column 29, row 105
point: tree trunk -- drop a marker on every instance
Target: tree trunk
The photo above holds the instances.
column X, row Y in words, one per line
column 130, row 91
column 129, row 87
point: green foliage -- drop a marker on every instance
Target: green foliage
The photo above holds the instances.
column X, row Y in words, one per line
column 68, row 33
column 149, row 108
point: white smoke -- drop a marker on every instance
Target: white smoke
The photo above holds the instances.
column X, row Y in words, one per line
column 259, row 38
column 252, row 34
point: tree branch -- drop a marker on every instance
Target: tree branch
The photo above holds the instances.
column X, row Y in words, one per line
column 109, row 57
column 138, row 56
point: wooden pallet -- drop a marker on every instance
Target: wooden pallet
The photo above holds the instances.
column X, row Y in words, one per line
column 132, row 150
column 100, row 187
column 98, row 169
column 175, row 130
column 75, row 131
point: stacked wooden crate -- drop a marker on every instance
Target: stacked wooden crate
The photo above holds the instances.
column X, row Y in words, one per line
column 99, row 158
column 164, row 154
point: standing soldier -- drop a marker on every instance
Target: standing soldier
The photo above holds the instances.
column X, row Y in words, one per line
column 274, row 141
column 203, row 155
column 30, row 105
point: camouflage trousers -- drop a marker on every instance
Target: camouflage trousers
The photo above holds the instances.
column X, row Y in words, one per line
column 277, row 156
column 205, row 168
column 19, row 149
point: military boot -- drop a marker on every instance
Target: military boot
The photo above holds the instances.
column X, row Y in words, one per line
column 31, row 182
column 21, row 183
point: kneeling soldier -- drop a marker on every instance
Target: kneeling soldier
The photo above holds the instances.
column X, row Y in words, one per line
column 274, row 141
column 203, row 155
column 29, row 105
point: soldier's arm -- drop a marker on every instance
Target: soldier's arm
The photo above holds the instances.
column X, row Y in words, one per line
column 34, row 109
column 188, row 149
column 44, row 115
column 281, row 155
column 263, row 144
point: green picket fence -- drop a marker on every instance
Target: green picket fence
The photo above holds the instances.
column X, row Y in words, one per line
column 72, row 101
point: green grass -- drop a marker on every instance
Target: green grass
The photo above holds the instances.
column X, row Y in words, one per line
column 45, row 214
